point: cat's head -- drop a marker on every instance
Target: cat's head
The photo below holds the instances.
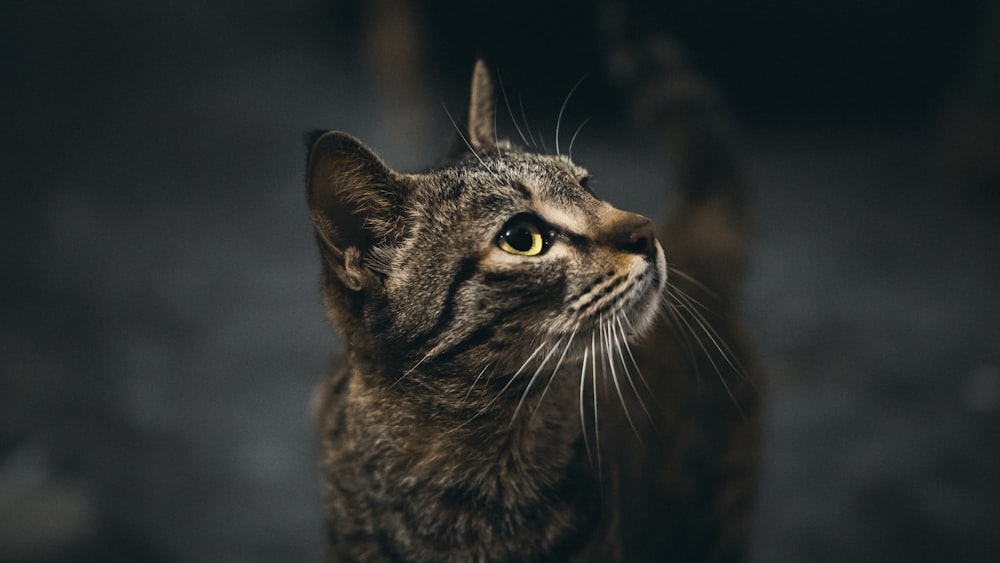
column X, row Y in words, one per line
column 499, row 259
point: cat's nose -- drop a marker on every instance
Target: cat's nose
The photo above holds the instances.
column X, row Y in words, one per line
column 635, row 234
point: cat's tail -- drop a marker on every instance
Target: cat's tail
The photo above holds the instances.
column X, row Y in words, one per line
column 708, row 227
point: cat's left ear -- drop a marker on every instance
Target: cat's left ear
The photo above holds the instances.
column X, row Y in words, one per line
column 482, row 121
column 354, row 200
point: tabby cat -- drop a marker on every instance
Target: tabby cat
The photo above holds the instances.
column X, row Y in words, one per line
column 532, row 374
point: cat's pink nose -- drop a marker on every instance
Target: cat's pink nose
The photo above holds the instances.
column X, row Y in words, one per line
column 635, row 234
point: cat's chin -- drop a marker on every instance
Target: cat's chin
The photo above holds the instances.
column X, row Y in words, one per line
column 637, row 311
column 649, row 300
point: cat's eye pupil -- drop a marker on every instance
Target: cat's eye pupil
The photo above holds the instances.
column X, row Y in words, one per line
column 523, row 236
column 520, row 237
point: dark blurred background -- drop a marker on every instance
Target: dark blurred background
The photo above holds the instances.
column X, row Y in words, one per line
column 160, row 326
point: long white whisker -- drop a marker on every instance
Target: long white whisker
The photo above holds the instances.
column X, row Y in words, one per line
column 707, row 328
column 475, row 381
column 619, row 337
column 496, row 134
column 593, row 380
column 462, row 135
column 492, row 368
column 563, row 108
column 524, row 116
column 631, row 357
column 527, row 388
column 583, row 417
column 506, row 102
column 489, row 377
column 554, row 371
column 606, row 338
column 673, row 314
column 541, row 139
column 409, row 371
column 512, row 379
column 575, row 133
column 724, row 350
column 691, row 301
column 711, row 361
column 691, row 279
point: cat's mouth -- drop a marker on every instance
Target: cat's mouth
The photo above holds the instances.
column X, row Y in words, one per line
column 615, row 309
column 649, row 293
column 629, row 296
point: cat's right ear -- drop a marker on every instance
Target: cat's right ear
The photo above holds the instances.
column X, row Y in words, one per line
column 482, row 120
column 479, row 135
column 353, row 202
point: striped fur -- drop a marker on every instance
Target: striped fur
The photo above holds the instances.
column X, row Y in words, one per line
column 571, row 406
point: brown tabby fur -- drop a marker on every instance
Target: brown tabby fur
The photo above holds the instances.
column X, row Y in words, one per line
column 488, row 408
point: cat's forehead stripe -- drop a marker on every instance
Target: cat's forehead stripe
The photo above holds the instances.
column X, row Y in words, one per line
column 520, row 188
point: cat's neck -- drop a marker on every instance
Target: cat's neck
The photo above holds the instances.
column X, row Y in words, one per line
column 506, row 415
column 461, row 469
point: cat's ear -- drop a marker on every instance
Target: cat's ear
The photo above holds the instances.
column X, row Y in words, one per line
column 482, row 120
column 354, row 201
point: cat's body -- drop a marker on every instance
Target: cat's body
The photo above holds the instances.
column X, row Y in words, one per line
column 488, row 407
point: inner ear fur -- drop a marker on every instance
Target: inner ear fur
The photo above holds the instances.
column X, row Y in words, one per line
column 354, row 200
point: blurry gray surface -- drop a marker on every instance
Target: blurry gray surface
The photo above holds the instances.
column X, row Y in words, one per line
column 162, row 328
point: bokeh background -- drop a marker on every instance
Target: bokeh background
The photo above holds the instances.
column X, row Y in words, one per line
column 160, row 326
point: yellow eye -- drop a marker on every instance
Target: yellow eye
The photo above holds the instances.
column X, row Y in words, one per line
column 521, row 236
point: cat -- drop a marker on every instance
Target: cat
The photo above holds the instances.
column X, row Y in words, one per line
column 530, row 373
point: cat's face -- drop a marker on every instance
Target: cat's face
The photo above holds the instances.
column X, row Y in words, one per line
column 500, row 260
column 502, row 252
column 517, row 252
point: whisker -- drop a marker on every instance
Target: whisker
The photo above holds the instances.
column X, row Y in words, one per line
column 492, row 369
column 496, row 134
column 489, row 377
column 524, row 116
column 554, row 371
column 509, row 381
column 563, row 108
column 673, row 315
column 693, row 281
column 619, row 337
column 462, row 135
column 715, row 366
column 583, row 417
column 475, row 381
column 692, row 305
column 720, row 344
column 689, row 301
column 575, row 133
column 506, row 102
column 531, row 381
column 593, row 380
column 409, row 371
column 606, row 341
column 628, row 349
column 541, row 139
